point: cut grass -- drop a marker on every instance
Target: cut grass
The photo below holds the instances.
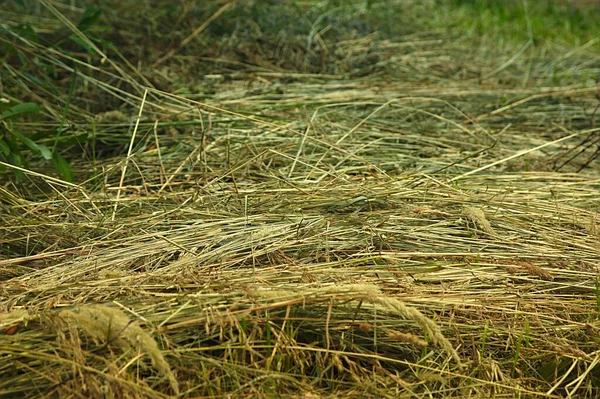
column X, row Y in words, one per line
column 335, row 207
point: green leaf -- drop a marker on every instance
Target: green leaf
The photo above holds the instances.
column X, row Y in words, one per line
column 62, row 166
column 11, row 141
column 45, row 151
column 4, row 148
column 91, row 15
column 107, row 44
column 32, row 145
column 83, row 44
column 19, row 109
column 18, row 160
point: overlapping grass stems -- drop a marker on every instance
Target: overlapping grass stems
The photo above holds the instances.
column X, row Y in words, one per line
column 325, row 208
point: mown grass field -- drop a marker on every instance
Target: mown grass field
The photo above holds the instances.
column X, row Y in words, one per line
column 299, row 199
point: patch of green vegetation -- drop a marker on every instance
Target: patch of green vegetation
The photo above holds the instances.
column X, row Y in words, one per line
column 518, row 20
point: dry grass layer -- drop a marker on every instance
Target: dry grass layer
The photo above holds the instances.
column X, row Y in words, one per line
column 404, row 222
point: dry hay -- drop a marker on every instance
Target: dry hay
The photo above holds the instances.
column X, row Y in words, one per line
column 313, row 235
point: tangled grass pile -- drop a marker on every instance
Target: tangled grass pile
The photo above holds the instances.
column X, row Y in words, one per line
column 362, row 199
